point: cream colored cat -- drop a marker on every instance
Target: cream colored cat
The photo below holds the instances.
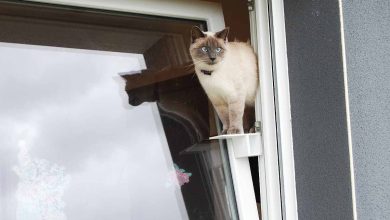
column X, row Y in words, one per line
column 228, row 73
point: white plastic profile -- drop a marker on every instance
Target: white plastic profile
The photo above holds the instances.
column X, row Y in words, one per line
column 240, row 148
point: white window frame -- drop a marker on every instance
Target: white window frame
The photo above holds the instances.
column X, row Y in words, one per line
column 282, row 89
column 277, row 181
column 275, row 109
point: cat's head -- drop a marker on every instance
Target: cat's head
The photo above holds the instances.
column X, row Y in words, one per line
column 207, row 48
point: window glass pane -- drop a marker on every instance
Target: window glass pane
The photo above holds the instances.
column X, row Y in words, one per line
column 94, row 126
column 66, row 132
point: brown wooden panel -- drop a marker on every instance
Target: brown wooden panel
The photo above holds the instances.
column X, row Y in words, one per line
column 236, row 17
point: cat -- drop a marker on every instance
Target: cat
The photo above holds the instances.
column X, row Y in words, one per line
column 228, row 73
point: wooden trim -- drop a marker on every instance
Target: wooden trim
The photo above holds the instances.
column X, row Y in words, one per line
column 149, row 77
column 85, row 28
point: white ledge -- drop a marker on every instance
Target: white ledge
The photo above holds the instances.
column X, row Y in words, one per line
column 244, row 145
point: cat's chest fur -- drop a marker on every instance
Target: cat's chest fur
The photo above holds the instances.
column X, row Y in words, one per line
column 220, row 85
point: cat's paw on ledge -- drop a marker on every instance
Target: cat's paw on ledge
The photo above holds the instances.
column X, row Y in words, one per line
column 224, row 131
column 235, row 130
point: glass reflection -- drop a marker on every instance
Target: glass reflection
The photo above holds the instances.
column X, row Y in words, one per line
column 40, row 189
column 70, row 148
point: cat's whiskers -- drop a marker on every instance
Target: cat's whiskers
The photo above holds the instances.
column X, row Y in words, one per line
column 192, row 65
column 198, row 61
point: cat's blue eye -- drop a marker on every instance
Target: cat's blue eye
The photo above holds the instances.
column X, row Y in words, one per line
column 218, row 50
column 204, row 49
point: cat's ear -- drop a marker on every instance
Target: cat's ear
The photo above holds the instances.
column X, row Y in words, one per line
column 196, row 33
column 223, row 34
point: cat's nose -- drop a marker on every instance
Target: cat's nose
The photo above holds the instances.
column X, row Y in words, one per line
column 212, row 59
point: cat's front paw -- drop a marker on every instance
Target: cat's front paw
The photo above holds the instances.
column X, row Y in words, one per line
column 235, row 130
column 224, row 131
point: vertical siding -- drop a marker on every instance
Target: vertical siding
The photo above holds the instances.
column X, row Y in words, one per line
column 318, row 110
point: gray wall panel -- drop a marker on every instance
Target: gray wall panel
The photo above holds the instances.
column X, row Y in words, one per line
column 367, row 36
column 318, row 110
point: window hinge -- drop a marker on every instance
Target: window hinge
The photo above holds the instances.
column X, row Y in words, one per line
column 251, row 5
column 258, row 126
